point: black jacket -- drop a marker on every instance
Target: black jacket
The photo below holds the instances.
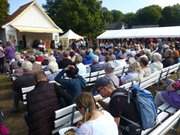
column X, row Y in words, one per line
column 41, row 104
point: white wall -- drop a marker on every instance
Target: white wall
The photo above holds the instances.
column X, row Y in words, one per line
column 33, row 17
column 10, row 34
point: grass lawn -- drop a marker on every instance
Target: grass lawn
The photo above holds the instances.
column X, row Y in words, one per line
column 14, row 121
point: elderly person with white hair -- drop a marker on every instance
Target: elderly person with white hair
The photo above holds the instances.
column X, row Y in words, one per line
column 26, row 80
column 144, row 63
column 134, row 73
column 156, row 64
column 96, row 66
column 54, row 70
column 82, row 68
column 109, row 70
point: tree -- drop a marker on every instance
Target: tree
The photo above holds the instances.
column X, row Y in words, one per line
column 117, row 15
column 107, row 16
column 4, row 7
column 170, row 16
column 83, row 16
column 129, row 19
column 149, row 15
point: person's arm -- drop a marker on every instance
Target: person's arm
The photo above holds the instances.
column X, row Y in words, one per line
column 59, row 76
column 84, row 129
column 117, row 120
column 116, row 107
column 103, row 104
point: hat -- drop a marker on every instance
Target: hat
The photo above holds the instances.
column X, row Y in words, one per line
column 103, row 81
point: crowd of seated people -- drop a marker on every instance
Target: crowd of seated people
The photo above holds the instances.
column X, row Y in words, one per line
column 69, row 67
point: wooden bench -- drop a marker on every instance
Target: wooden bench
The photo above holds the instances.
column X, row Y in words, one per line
column 166, row 119
column 64, row 117
column 25, row 90
column 93, row 76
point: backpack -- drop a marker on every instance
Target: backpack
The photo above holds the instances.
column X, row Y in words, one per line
column 146, row 107
column 133, row 128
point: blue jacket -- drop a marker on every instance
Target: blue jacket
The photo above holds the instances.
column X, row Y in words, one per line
column 73, row 86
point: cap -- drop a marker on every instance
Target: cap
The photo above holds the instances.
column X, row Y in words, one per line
column 103, row 81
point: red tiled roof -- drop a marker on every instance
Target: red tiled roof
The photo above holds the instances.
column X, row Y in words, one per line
column 18, row 12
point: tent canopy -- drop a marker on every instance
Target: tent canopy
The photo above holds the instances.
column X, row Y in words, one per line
column 71, row 35
column 156, row 32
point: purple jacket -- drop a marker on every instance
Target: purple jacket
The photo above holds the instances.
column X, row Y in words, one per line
column 172, row 98
column 10, row 52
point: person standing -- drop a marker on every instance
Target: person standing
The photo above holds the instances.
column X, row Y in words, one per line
column 10, row 51
column 2, row 56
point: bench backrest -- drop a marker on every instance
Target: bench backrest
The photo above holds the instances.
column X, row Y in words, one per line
column 66, row 117
column 174, row 68
column 26, row 90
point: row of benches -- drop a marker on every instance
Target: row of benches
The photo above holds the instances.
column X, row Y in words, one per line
column 94, row 75
column 166, row 114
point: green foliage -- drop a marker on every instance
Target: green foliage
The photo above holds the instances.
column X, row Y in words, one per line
column 107, row 16
column 88, row 18
column 82, row 16
column 4, row 6
column 170, row 16
column 149, row 15
column 129, row 19
column 117, row 15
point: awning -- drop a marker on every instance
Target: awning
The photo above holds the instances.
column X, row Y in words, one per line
column 71, row 35
column 155, row 32
column 37, row 29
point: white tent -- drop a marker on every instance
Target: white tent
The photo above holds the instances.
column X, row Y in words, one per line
column 155, row 32
column 69, row 35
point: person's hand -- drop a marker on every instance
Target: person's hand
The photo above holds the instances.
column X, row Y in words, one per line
column 79, row 123
column 98, row 97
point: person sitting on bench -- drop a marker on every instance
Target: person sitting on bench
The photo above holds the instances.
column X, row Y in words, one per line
column 74, row 83
column 119, row 106
column 94, row 122
column 171, row 95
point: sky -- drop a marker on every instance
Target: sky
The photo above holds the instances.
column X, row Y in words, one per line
column 124, row 6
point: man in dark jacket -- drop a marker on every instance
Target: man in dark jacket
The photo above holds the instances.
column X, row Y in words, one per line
column 41, row 104
column 74, row 83
column 26, row 80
